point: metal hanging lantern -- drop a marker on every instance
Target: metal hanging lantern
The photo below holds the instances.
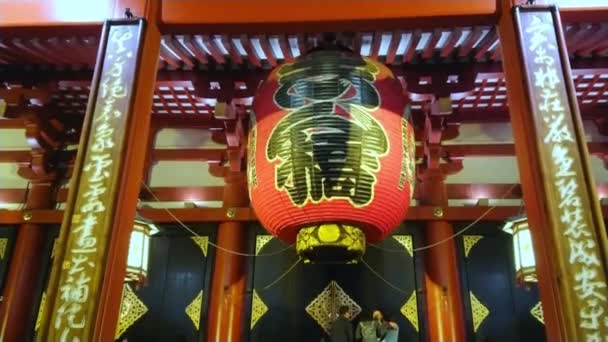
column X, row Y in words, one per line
column 525, row 263
column 139, row 250
column 331, row 154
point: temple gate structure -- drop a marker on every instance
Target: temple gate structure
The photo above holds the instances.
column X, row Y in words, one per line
column 128, row 169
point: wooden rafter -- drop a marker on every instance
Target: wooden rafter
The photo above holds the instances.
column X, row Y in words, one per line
column 198, row 215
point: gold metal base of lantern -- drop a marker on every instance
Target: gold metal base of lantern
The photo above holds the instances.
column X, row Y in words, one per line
column 330, row 243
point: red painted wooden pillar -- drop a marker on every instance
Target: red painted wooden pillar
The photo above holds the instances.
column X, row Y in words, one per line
column 441, row 279
column 24, row 269
column 228, row 283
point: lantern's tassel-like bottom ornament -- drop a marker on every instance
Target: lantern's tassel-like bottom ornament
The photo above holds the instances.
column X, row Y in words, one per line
column 332, row 242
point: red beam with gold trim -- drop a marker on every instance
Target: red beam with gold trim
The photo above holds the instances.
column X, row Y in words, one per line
column 197, row 215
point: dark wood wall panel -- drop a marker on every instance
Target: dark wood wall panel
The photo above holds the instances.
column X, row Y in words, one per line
column 51, row 234
column 8, row 234
column 497, row 309
column 179, row 270
column 284, row 304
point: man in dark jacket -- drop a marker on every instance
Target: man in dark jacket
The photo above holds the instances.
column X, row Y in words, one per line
column 342, row 330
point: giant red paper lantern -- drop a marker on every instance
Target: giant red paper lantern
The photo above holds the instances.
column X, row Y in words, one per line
column 331, row 154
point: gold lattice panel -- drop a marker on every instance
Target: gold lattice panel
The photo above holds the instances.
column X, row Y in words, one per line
column 537, row 312
column 324, row 308
column 410, row 310
column 480, row 312
column 40, row 311
column 193, row 310
column 261, row 241
column 258, row 309
column 406, row 242
column 131, row 310
column 3, row 245
column 469, row 241
column 202, row 242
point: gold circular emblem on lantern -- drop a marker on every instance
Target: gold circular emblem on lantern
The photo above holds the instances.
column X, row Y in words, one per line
column 329, row 233
column 332, row 242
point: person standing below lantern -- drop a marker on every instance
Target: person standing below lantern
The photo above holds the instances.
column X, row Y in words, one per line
column 391, row 330
column 387, row 331
column 368, row 330
column 342, row 329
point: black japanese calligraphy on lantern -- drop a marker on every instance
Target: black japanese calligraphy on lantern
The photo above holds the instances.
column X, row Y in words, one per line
column 328, row 145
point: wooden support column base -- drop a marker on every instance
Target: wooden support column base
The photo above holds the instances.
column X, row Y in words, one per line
column 24, row 270
column 18, row 294
column 445, row 309
column 442, row 285
column 226, row 308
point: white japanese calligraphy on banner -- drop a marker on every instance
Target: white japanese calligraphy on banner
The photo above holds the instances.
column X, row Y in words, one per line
column 73, row 309
column 584, row 272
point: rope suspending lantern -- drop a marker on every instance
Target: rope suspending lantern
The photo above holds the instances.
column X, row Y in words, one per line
column 191, row 231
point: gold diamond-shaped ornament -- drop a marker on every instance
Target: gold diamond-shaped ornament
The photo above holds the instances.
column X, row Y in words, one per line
column 480, row 312
column 193, row 310
column 410, row 310
column 324, row 308
column 131, row 310
column 258, row 309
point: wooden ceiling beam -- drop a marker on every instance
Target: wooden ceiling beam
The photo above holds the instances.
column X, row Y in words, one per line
column 265, row 44
column 171, row 44
column 211, row 155
column 462, row 151
column 578, row 38
column 450, row 152
column 410, row 50
column 450, row 44
column 12, row 123
column 16, row 75
column 429, row 50
column 183, row 194
column 251, row 54
column 209, row 42
column 465, row 48
column 190, row 43
column 235, row 56
column 215, row 193
column 19, row 157
column 501, row 115
column 375, row 46
column 187, row 121
column 587, row 47
column 277, row 16
column 393, row 45
column 285, row 47
column 45, row 18
column 198, row 215
column 484, row 45
column 594, row 113
column 596, row 14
